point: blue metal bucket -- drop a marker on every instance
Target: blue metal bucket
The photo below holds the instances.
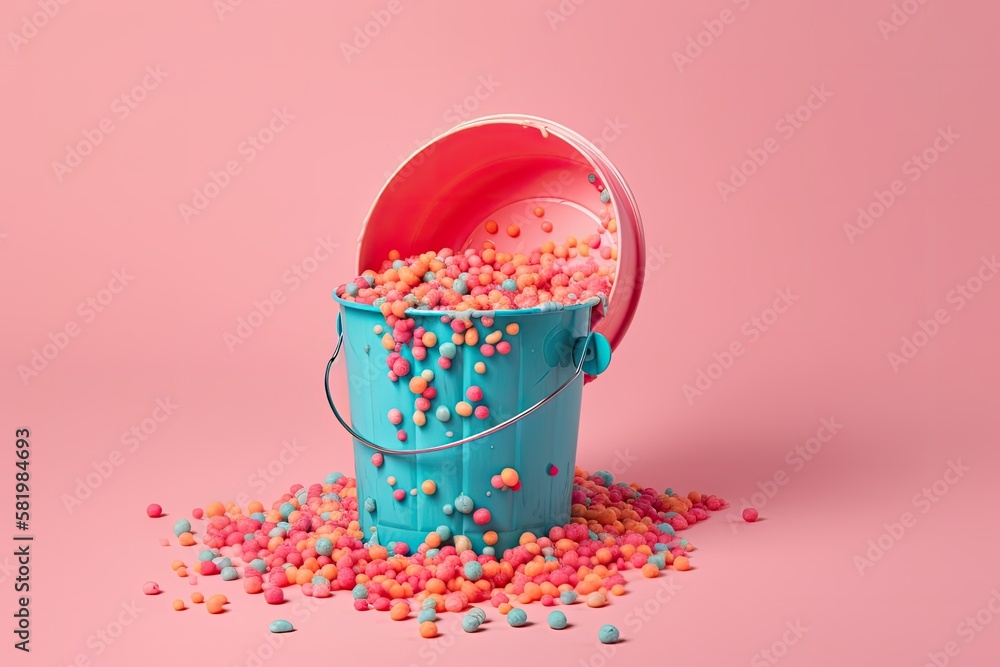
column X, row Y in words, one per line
column 533, row 394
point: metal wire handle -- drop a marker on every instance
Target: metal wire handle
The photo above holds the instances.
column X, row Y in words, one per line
column 502, row 425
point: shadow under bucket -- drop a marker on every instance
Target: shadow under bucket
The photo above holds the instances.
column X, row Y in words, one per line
column 441, row 475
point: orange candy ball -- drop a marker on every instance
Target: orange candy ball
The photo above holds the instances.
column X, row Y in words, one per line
column 216, row 603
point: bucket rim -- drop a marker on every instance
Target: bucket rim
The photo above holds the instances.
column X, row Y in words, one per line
column 622, row 202
column 513, row 312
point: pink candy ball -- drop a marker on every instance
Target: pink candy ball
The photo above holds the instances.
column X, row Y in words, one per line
column 154, row 511
column 253, row 585
column 482, row 412
column 361, row 605
column 208, row 568
column 395, row 417
column 496, row 481
column 151, row 588
column 399, row 494
column 456, row 602
column 481, row 516
column 503, row 347
column 750, row 515
column 274, row 596
column 474, row 393
column 377, row 460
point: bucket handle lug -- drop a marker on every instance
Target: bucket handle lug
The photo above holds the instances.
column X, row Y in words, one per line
column 591, row 355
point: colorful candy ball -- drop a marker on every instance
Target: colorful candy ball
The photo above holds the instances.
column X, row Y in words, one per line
column 280, row 625
column 509, row 476
column 608, row 634
column 517, row 617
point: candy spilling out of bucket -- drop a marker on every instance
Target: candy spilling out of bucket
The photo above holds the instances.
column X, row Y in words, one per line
column 470, row 428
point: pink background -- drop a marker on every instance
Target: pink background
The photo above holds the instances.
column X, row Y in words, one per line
column 714, row 264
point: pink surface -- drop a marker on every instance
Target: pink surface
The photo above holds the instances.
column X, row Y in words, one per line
column 291, row 132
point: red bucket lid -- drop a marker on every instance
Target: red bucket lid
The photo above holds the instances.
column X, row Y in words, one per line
column 501, row 168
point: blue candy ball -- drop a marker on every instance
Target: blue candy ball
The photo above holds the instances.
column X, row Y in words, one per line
column 557, row 620
column 665, row 528
column 516, row 617
column 464, row 504
column 281, row 625
column 473, row 570
column 608, row 634
column 324, row 546
column 182, row 526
